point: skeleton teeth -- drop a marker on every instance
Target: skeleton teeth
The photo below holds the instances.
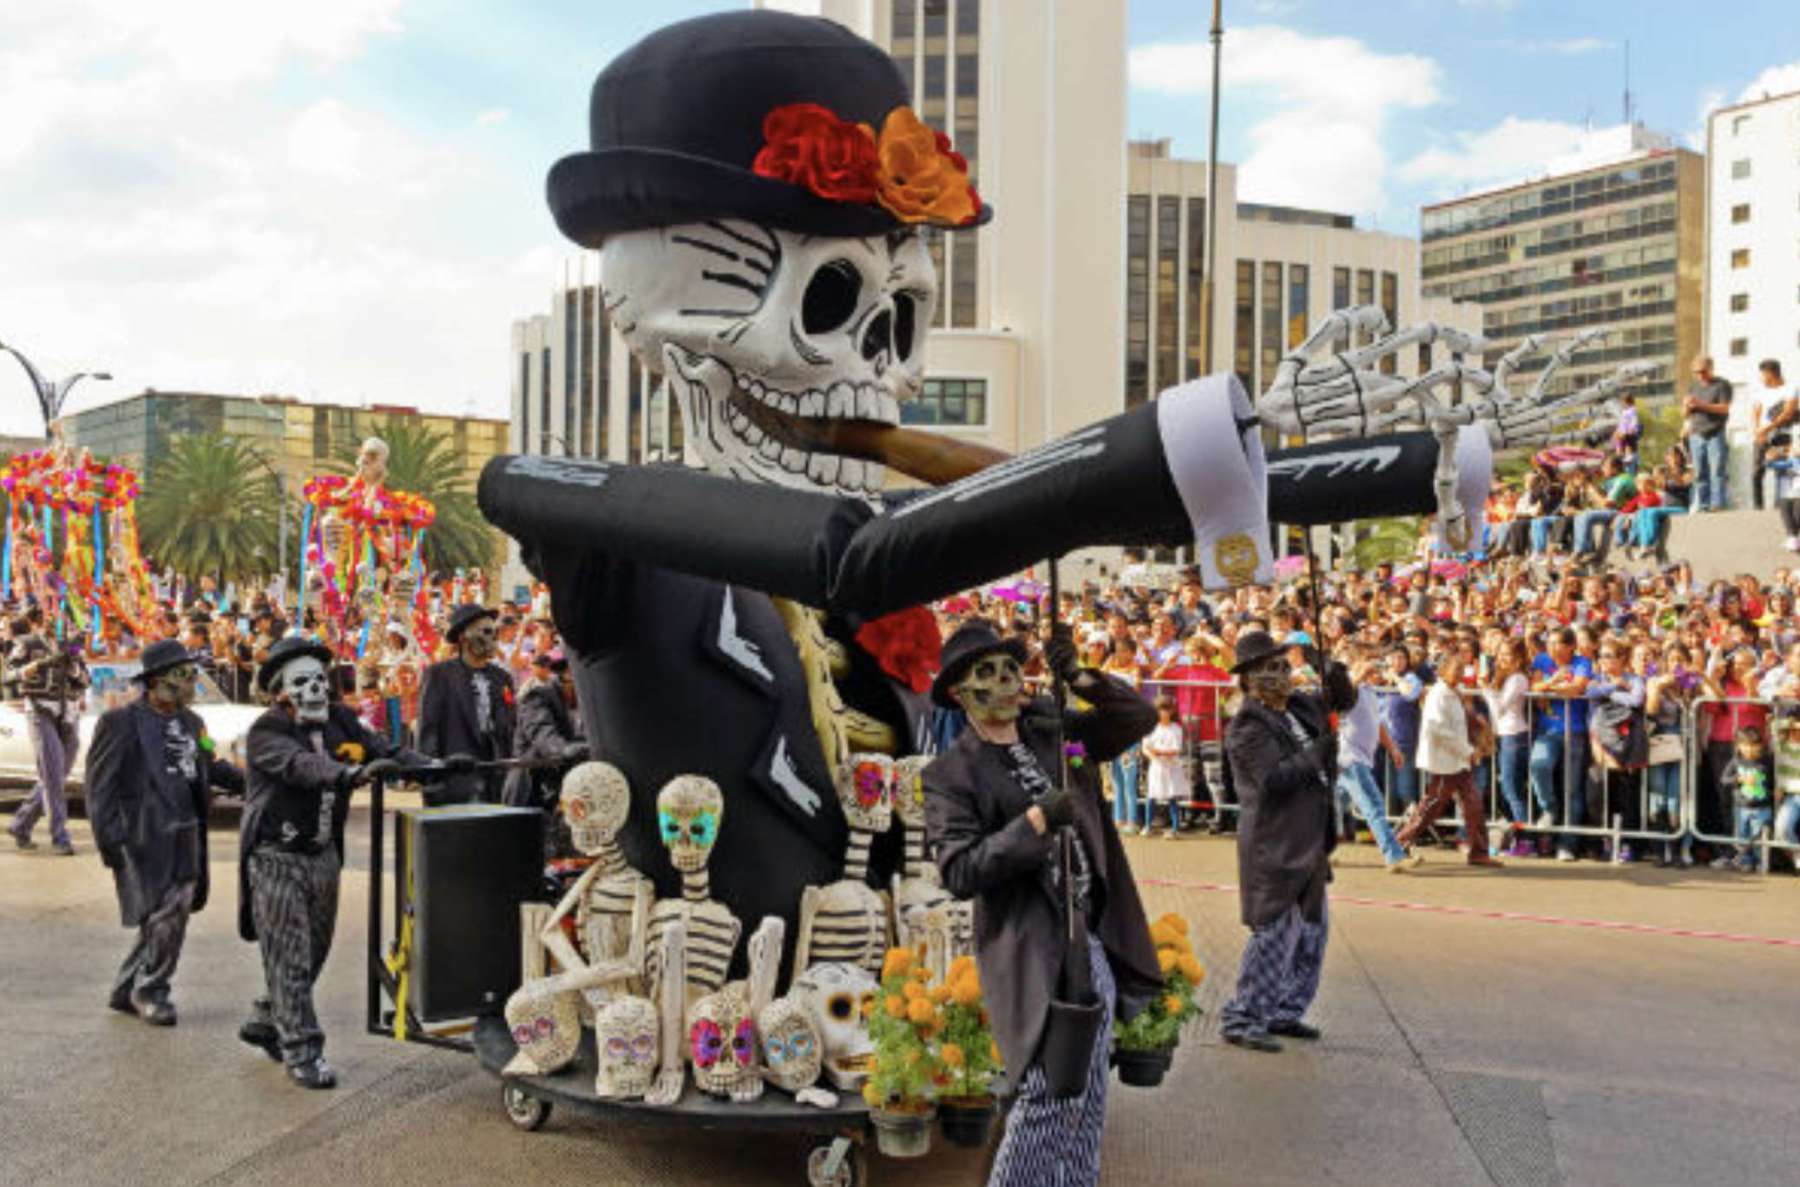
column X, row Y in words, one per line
column 749, row 432
column 793, row 461
column 822, row 468
column 790, row 405
column 756, row 388
column 865, row 403
column 887, row 410
column 743, row 381
column 850, row 475
column 840, row 400
column 770, row 449
column 812, row 404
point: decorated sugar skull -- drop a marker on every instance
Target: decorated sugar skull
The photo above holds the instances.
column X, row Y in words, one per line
column 792, row 1046
column 546, row 1027
column 303, row 683
column 722, row 1040
column 689, row 810
column 626, row 1034
column 595, row 800
column 866, row 791
column 909, row 789
column 840, row 997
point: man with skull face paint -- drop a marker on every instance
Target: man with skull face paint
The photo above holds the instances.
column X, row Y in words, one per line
column 306, row 754
column 993, row 804
column 466, row 710
column 149, row 773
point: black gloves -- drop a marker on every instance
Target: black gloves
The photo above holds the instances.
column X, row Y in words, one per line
column 381, row 768
column 1058, row 808
column 575, row 752
column 1060, row 655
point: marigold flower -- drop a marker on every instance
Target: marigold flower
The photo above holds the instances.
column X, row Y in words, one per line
column 919, row 1010
column 896, row 1006
column 922, row 975
column 994, row 1052
column 1175, row 922
column 1191, row 969
column 951, row 1055
column 871, row 1094
column 1165, row 959
column 966, row 992
column 913, row 991
column 896, row 962
column 1173, row 1003
column 960, row 966
column 939, row 994
column 920, row 178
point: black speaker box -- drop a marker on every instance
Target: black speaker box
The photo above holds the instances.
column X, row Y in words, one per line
column 461, row 872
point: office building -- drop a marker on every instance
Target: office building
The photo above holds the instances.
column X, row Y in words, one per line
column 1753, row 237
column 1611, row 236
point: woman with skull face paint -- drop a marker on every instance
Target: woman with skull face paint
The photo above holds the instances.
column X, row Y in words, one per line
column 992, row 807
column 306, row 755
column 1282, row 747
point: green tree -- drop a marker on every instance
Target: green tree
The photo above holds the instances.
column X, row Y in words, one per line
column 423, row 462
column 1391, row 540
column 210, row 507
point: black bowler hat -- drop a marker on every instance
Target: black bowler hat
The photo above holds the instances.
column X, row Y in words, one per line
column 160, row 656
column 675, row 124
column 287, row 649
column 465, row 616
column 970, row 642
column 1253, row 647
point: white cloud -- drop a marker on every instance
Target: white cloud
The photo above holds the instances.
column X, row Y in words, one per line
column 1562, row 47
column 1331, row 98
column 492, row 116
column 1776, row 80
column 1512, row 148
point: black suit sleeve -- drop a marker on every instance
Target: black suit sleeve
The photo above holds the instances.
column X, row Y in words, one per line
column 1119, row 718
column 972, row 859
column 111, row 804
column 540, row 731
column 288, row 762
column 434, row 695
column 1259, row 764
column 1367, row 478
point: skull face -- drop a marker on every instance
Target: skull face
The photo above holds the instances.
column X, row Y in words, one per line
column 626, row 1034
column 305, row 686
column 372, row 462
column 722, row 1039
column 792, row 1046
column 546, row 1026
column 909, row 789
column 990, row 692
column 840, row 997
column 595, row 800
column 865, row 788
column 749, row 324
column 689, row 810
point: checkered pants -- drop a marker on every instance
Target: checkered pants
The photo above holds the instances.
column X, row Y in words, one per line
column 1056, row 1143
column 1279, row 976
column 293, row 900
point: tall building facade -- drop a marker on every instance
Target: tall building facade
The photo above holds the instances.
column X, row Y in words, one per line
column 1753, row 237
column 1612, row 236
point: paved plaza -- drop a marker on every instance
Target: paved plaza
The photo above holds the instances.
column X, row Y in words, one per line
column 1539, row 1025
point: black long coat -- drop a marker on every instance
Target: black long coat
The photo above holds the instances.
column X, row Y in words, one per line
column 975, row 827
column 545, row 731
column 448, row 725
column 155, row 822
column 280, row 757
column 1286, row 829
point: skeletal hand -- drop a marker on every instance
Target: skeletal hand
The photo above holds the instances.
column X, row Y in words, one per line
column 667, row 1089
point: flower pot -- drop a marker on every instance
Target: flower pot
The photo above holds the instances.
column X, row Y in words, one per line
column 1143, row 1069
column 902, row 1135
column 966, row 1120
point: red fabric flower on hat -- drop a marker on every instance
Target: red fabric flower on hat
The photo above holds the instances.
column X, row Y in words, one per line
column 906, row 644
column 805, row 144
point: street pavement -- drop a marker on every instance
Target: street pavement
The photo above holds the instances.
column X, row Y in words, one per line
column 1541, row 1024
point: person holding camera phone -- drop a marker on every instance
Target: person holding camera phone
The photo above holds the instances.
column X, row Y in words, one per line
column 53, row 679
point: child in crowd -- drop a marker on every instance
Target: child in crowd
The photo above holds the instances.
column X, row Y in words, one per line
column 1751, row 779
column 1787, row 781
column 1163, row 749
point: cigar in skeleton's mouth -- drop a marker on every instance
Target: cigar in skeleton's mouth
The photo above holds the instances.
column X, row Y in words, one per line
column 925, row 457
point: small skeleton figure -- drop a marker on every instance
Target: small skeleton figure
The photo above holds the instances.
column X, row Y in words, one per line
column 546, row 1025
column 626, row 1035
column 847, row 921
column 721, row 1026
column 372, row 470
column 841, row 996
column 918, row 889
column 794, row 1051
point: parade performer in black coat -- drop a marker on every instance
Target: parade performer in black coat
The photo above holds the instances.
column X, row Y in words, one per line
column 306, row 755
column 548, row 734
column 150, row 772
column 993, row 805
column 466, row 707
column 1282, row 746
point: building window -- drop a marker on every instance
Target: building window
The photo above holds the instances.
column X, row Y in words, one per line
column 1243, row 330
column 1168, row 271
column 634, row 411
column 1740, row 302
column 1271, row 325
column 1740, row 169
column 1365, row 295
column 1298, row 302
column 1340, row 299
column 544, row 402
column 1739, row 347
column 1739, row 123
column 524, row 404
column 1740, row 257
column 958, row 402
column 1197, row 324
column 1390, row 305
column 1740, row 213
column 1137, row 299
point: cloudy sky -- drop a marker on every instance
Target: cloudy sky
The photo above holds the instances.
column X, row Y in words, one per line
column 343, row 199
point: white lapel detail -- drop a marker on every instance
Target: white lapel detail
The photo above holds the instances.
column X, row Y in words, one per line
column 741, row 650
column 784, row 776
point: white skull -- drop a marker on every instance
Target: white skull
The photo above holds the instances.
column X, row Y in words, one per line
column 865, row 787
column 595, row 801
column 739, row 317
column 689, row 811
column 992, row 687
column 840, row 997
column 722, row 1039
column 546, row 1026
column 793, row 1048
column 626, row 1035
column 305, row 686
column 909, row 789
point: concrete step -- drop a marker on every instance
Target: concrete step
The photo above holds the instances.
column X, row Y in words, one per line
column 1727, row 543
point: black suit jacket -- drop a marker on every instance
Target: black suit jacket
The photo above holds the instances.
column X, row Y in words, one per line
column 152, row 823
column 545, row 731
column 1286, row 822
column 448, row 725
column 977, row 831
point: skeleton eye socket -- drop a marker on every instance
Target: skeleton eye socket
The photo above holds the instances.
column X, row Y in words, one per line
column 905, row 321
column 841, row 1006
column 800, row 1046
column 830, row 298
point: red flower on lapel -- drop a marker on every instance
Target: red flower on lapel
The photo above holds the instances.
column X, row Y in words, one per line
column 506, row 696
column 906, row 644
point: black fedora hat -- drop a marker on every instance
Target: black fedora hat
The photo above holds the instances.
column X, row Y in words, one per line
column 969, row 643
column 465, row 616
column 676, row 122
column 287, row 649
column 1253, row 647
column 160, row 656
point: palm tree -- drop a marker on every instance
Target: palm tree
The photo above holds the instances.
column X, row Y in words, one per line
column 210, row 506
column 423, row 462
column 1389, row 540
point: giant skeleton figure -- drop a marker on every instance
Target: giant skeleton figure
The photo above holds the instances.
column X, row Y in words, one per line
column 757, row 187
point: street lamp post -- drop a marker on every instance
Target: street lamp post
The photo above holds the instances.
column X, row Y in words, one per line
column 51, row 394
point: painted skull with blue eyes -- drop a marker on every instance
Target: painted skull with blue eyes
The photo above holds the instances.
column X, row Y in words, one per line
column 689, row 810
column 626, row 1031
column 793, row 1048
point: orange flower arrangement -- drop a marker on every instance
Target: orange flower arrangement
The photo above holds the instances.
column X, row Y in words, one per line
column 910, row 169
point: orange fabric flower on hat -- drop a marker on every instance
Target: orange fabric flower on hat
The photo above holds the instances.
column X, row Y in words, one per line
column 910, row 170
column 922, row 179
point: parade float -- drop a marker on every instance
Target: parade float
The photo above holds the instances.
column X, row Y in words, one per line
column 72, row 541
